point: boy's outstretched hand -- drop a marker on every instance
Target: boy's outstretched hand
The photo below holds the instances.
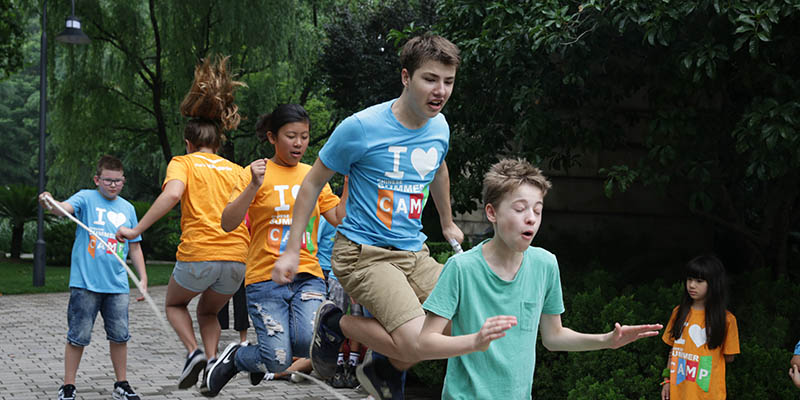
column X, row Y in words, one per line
column 494, row 328
column 624, row 334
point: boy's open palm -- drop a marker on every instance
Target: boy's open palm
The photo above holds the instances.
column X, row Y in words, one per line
column 494, row 328
column 624, row 334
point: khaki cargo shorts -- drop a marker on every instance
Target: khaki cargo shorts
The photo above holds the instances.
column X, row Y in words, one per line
column 391, row 284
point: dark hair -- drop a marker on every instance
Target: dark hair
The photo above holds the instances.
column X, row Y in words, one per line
column 108, row 162
column 428, row 47
column 282, row 114
column 210, row 104
column 710, row 269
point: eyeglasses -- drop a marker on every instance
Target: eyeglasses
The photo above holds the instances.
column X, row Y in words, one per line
column 112, row 182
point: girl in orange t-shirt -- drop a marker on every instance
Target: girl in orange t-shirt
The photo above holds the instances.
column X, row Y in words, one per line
column 703, row 335
column 210, row 261
column 282, row 315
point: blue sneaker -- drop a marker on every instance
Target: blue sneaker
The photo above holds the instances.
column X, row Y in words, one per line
column 324, row 350
column 379, row 388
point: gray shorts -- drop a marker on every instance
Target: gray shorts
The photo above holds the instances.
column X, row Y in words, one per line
column 223, row 277
column 337, row 295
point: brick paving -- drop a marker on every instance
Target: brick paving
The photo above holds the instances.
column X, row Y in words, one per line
column 33, row 334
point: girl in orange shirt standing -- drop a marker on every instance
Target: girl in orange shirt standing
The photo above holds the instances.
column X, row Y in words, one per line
column 210, row 261
column 703, row 335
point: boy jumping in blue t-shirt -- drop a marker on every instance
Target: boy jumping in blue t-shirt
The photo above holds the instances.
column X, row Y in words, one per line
column 394, row 155
column 97, row 282
column 518, row 285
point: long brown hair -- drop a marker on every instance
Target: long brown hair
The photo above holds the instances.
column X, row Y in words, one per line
column 210, row 104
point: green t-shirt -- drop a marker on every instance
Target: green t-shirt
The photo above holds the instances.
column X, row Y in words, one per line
column 467, row 293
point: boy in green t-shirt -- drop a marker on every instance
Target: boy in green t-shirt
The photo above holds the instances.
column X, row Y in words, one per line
column 518, row 285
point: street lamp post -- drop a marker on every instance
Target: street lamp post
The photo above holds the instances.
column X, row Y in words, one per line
column 71, row 34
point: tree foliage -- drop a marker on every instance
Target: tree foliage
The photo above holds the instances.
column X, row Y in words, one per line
column 19, row 204
column 12, row 37
column 121, row 93
column 707, row 91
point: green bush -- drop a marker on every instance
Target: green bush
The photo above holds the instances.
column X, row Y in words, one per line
column 160, row 241
column 59, row 235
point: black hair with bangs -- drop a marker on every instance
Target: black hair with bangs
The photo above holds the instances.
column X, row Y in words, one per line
column 710, row 269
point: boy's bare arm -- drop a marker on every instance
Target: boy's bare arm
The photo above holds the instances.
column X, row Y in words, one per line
column 63, row 204
column 556, row 337
column 137, row 257
column 440, row 191
column 433, row 343
column 286, row 265
column 335, row 215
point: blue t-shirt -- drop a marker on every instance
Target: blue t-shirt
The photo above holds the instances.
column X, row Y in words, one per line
column 93, row 266
column 325, row 235
column 797, row 349
column 467, row 293
column 390, row 168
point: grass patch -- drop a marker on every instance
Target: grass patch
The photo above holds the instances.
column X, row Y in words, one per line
column 16, row 277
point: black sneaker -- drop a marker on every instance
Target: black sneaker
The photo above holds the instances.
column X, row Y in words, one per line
column 350, row 379
column 195, row 363
column 66, row 392
column 203, row 387
column 123, row 391
column 324, row 349
column 257, row 377
column 222, row 371
column 338, row 378
column 379, row 388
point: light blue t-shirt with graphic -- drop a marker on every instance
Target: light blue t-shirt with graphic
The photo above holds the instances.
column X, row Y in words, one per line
column 390, row 169
column 467, row 293
column 93, row 266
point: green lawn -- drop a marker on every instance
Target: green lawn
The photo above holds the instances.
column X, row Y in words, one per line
column 16, row 277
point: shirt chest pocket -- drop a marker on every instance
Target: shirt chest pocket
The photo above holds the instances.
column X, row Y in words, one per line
column 528, row 315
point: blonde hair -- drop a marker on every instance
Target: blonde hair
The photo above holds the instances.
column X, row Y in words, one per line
column 507, row 175
column 210, row 103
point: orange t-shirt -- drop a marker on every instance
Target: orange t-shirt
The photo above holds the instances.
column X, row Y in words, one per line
column 208, row 180
column 271, row 218
column 695, row 371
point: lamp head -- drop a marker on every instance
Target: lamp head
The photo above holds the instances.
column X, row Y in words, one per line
column 73, row 33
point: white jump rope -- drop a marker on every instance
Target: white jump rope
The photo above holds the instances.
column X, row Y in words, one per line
column 52, row 203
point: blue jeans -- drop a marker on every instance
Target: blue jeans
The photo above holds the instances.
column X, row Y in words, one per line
column 82, row 311
column 283, row 316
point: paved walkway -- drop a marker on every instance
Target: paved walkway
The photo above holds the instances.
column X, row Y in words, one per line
column 33, row 334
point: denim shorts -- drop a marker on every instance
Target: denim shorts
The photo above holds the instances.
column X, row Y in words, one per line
column 82, row 311
column 223, row 277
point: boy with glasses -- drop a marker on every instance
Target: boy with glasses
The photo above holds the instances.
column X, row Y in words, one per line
column 96, row 280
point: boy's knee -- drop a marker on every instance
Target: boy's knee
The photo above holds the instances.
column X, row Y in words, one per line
column 795, row 360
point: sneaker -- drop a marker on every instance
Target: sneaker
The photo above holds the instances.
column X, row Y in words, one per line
column 66, row 392
column 376, row 386
column 195, row 363
column 338, row 378
column 123, row 391
column 324, row 349
column 350, row 379
column 296, row 378
column 203, row 388
column 222, row 371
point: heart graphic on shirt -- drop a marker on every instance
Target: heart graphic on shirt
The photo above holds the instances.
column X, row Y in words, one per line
column 116, row 218
column 698, row 335
column 424, row 161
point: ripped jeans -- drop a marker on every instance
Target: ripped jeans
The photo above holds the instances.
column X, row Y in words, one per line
column 283, row 316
